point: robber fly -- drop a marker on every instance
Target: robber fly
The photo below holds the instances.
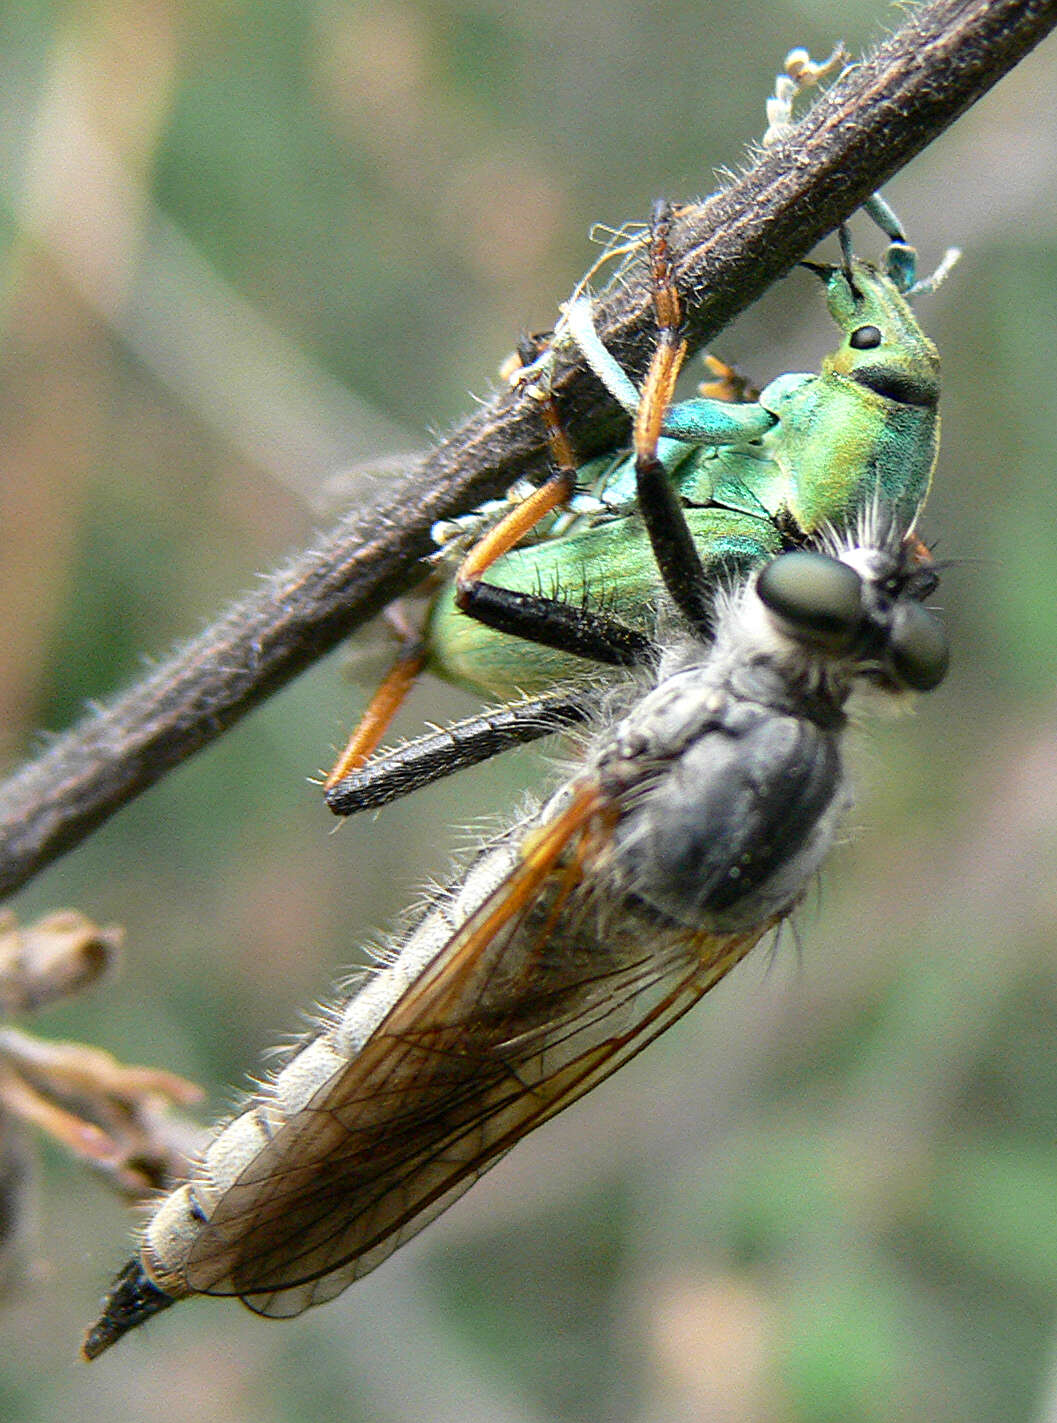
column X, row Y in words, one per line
column 707, row 797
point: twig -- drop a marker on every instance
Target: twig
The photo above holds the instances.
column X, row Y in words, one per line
column 727, row 251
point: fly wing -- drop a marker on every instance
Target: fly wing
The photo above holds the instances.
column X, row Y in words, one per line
column 523, row 1010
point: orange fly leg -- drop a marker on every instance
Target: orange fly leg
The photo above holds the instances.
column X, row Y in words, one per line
column 572, row 875
column 383, row 706
column 727, row 383
column 554, row 492
column 670, row 351
column 919, row 550
column 591, row 836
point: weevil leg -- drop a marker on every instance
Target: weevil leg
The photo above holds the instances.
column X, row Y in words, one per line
column 712, row 419
column 801, row 72
column 568, row 627
column 901, row 259
column 579, row 317
column 716, row 420
column 532, row 357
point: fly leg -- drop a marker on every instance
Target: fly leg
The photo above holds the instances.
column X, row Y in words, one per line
column 411, row 658
column 393, row 691
column 569, row 627
column 673, row 544
column 396, row 773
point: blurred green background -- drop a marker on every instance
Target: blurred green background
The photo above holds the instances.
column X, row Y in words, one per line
column 245, row 246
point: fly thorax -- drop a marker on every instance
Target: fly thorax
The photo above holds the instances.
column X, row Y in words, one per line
column 685, row 706
column 813, row 691
column 734, row 828
column 757, row 661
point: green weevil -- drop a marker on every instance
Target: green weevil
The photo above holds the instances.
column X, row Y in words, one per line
column 756, row 477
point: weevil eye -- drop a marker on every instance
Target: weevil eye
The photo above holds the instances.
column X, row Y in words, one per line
column 819, row 598
column 865, row 338
column 918, row 651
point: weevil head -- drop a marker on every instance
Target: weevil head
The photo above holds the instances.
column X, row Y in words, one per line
column 868, row 424
column 883, row 348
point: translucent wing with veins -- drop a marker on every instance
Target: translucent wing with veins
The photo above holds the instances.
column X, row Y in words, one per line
column 517, row 1016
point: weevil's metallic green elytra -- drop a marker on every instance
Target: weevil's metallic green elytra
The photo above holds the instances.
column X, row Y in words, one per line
column 813, row 449
column 609, row 564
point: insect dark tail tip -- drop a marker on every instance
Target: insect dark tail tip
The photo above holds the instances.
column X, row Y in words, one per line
column 132, row 1298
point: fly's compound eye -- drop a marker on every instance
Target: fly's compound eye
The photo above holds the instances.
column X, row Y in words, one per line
column 819, row 599
column 865, row 338
column 918, row 651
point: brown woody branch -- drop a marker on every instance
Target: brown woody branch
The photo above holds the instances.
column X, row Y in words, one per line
column 727, row 251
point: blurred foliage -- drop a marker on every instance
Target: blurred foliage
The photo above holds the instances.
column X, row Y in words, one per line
column 243, row 245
